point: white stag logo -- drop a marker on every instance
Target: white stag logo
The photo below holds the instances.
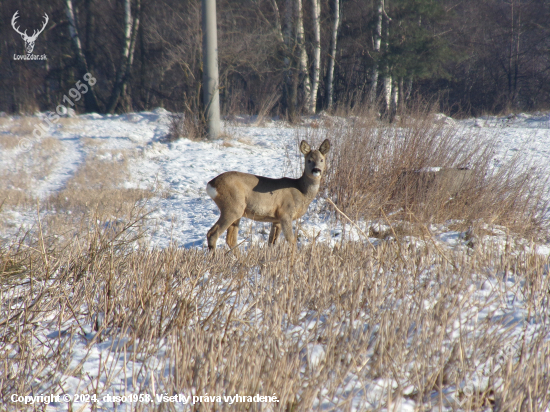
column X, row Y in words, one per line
column 29, row 40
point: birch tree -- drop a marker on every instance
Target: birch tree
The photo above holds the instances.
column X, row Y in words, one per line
column 412, row 48
column 332, row 54
column 376, row 48
column 302, row 54
column 127, row 54
column 289, row 90
column 90, row 99
column 387, row 93
column 278, row 29
column 316, row 9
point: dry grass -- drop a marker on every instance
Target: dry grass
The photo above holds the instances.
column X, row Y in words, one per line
column 20, row 126
column 402, row 318
column 369, row 158
column 97, row 187
column 186, row 125
column 8, row 141
column 12, row 130
column 323, row 329
column 97, row 183
column 33, row 162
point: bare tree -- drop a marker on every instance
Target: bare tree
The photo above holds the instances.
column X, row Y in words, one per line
column 488, row 55
column 303, row 65
column 90, row 99
column 332, row 54
column 278, row 29
column 127, row 54
column 316, row 11
column 290, row 81
column 387, row 93
column 377, row 42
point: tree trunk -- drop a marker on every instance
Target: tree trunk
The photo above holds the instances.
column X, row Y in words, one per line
column 211, row 86
column 302, row 59
column 510, row 55
column 387, row 97
column 278, row 28
column 289, row 94
column 394, row 100
column 316, row 8
column 401, row 95
column 387, row 74
column 90, row 100
column 409, row 88
column 127, row 54
column 332, row 55
column 516, row 65
column 377, row 43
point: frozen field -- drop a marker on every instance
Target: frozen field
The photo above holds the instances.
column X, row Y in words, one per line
column 176, row 174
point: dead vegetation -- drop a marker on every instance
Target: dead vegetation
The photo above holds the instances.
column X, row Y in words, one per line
column 98, row 184
column 33, row 161
column 17, row 126
column 186, row 125
column 327, row 329
column 371, row 159
column 96, row 188
column 373, row 327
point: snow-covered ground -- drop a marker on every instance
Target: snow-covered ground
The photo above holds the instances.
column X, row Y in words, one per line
column 183, row 167
column 185, row 213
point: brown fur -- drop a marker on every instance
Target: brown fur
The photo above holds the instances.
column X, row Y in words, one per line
column 279, row 201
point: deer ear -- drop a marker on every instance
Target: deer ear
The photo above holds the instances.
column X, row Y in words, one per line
column 325, row 147
column 304, row 147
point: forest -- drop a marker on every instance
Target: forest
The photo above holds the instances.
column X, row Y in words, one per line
column 279, row 57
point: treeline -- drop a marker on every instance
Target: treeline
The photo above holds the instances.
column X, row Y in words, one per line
column 285, row 57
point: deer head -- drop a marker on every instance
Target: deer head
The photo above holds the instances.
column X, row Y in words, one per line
column 29, row 40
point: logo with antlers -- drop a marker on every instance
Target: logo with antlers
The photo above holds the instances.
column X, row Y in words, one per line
column 29, row 40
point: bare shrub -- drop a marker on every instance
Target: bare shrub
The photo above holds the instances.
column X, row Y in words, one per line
column 370, row 157
column 186, row 125
column 266, row 106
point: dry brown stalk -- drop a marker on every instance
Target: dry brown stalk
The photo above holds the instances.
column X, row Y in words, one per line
column 268, row 323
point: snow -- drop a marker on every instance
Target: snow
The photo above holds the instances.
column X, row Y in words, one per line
column 185, row 214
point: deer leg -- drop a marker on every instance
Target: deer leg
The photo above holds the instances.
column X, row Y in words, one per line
column 219, row 227
column 274, row 233
column 286, row 226
column 232, row 232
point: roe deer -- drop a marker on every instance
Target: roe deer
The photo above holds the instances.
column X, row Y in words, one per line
column 279, row 201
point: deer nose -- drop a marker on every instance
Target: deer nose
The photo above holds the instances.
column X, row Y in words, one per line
column 316, row 171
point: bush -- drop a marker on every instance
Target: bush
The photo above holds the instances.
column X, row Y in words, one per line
column 369, row 158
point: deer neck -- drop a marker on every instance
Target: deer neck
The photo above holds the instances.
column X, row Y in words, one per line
column 308, row 186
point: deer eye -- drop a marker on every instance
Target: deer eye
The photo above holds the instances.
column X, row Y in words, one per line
column 322, row 160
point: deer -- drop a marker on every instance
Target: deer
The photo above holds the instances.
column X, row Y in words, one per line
column 29, row 40
column 263, row 199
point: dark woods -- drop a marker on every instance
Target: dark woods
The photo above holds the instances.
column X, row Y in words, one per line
column 280, row 57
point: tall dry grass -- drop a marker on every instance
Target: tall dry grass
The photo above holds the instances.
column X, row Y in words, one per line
column 323, row 330
column 186, row 125
column 369, row 157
